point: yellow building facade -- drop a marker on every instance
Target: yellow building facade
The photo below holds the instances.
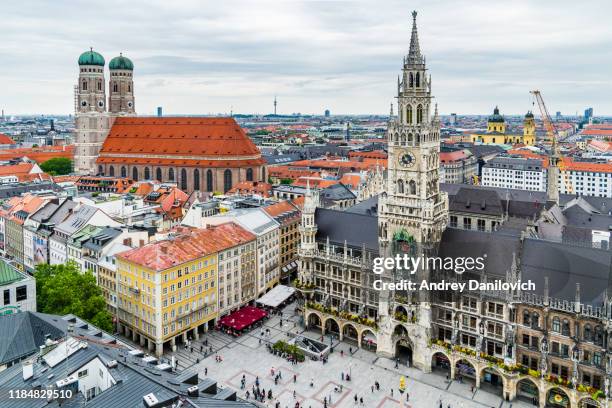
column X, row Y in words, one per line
column 167, row 291
column 496, row 131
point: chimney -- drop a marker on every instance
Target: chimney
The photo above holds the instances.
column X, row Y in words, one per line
column 164, row 249
column 127, row 241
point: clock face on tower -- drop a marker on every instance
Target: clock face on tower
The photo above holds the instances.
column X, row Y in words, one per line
column 407, row 160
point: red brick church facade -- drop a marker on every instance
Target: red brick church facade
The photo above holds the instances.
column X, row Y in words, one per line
column 203, row 154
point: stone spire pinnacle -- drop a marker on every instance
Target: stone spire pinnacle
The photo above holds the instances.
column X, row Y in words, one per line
column 391, row 111
column 414, row 54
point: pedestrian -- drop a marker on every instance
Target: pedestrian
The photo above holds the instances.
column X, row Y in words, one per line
column 293, row 394
column 205, row 371
column 356, row 398
column 341, row 353
column 391, row 392
column 294, row 378
column 342, row 376
column 361, row 401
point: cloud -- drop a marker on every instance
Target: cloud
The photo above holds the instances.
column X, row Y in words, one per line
column 209, row 56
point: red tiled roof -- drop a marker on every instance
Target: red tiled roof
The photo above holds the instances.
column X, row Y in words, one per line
column 4, row 139
column 597, row 132
column 446, row 157
column 570, row 165
column 38, row 154
column 279, row 208
column 186, row 141
column 600, row 145
column 252, row 187
column 192, row 244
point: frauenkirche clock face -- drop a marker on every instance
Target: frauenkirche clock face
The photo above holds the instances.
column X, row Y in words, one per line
column 407, row 160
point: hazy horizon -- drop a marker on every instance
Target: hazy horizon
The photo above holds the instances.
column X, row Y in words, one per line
column 343, row 56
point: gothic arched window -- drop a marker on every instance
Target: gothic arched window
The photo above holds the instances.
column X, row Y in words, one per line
column 535, row 320
column 565, row 327
column 417, row 80
column 409, row 114
column 410, row 80
column 100, row 170
column 196, row 179
column 115, row 88
column 111, row 171
column 526, row 318
column 147, row 173
column 158, row 174
column 400, row 186
column 598, row 338
column 84, row 85
column 556, row 324
column 249, row 174
column 183, row 179
column 227, row 180
column 123, row 171
column 587, row 334
column 209, row 180
column 412, row 185
column 419, row 115
column 263, row 174
column 171, row 174
column 135, row 174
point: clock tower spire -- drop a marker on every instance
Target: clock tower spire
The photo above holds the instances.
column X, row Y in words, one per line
column 412, row 211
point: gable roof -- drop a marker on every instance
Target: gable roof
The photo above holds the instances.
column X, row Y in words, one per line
column 186, row 141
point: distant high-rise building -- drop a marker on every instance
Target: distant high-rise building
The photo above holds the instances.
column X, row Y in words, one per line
column 588, row 114
column 453, row 119
column 159, row 111
column 327, row 113
column 275, row 105
column 558, row 115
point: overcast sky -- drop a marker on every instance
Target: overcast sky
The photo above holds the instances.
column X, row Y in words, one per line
column 205, row 57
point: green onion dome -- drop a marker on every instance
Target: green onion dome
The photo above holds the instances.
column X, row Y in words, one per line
column 91, row 58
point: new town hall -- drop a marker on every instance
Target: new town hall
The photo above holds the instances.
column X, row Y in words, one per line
column 552, row 346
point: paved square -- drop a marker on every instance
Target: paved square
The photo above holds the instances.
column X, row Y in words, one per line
column 249, row 356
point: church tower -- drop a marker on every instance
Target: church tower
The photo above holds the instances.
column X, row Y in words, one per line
column 413, row 211
column 308, row 232
column 121, row 87
column 529, row 129
column 91, row 121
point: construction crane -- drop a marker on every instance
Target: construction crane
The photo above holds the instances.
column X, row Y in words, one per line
column 552, row 135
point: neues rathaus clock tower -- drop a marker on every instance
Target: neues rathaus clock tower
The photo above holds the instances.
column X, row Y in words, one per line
column 412, row 210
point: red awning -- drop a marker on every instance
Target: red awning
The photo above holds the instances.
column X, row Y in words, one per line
column 243, row 318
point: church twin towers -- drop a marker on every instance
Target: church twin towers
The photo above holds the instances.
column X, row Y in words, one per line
column 94, row 113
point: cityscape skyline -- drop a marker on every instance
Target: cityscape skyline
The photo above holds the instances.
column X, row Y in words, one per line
column 310, row 55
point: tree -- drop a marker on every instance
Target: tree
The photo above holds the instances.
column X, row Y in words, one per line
column 57, row 166
column 63, row 289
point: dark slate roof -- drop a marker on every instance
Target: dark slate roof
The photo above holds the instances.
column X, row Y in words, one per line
column 281, row 158
column 16, row 190
column 135, row 379
column 22, row 333
column 355, row 229
column 365, row 207
column 337, row 192
column 476, row 201
column 99, row 240
column 565, row 265
column 498, row 248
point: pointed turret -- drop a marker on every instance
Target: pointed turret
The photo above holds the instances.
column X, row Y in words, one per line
column 414, row 54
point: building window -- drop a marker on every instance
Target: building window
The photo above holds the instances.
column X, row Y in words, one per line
column 123, row 171
column 84, row 85
column 7, row 296
column 409, row 115
column 467, row 223
column 481, row 225
column 249, row 174
column 135, row 174
column 196, row 179
column 158, row 174
column 410, row 80
column 556, row 325
column 111, row 171
column 412, row 186
column 588, row 334
column 417, row 80
column 115, row 88
column 171, row 174
column 565, row 328
column 21, row 293
column 183, row 179
column 227, row 180
column 209, row 180
column 100, row 170
column 419, row 114
column 453, row 221
column 147, row 173
column 400, row 186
